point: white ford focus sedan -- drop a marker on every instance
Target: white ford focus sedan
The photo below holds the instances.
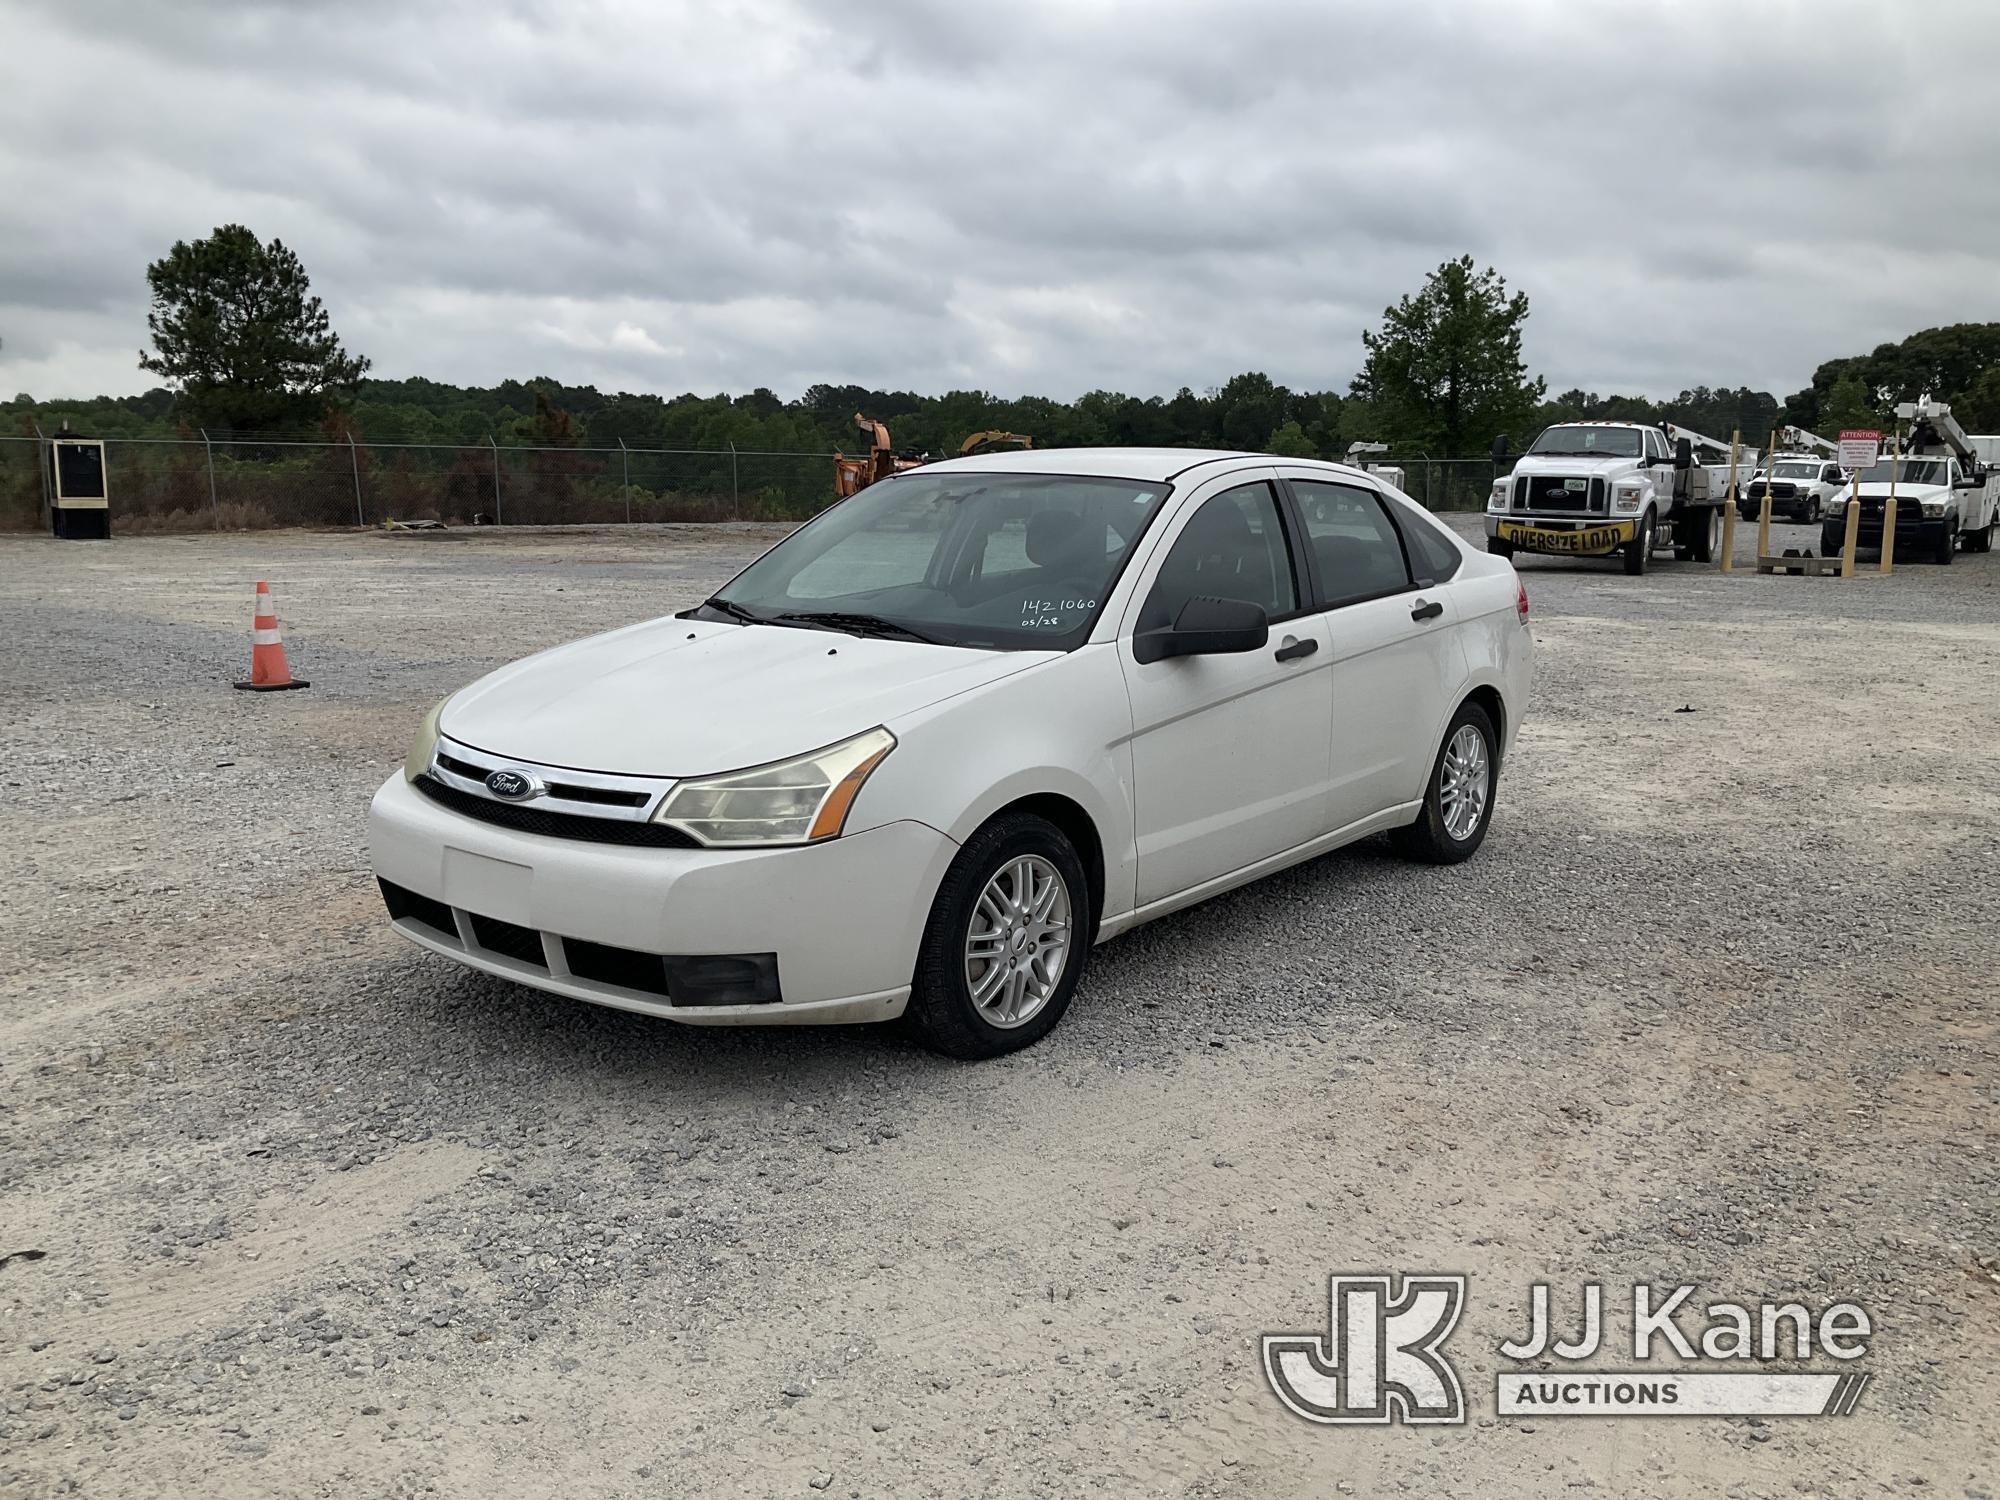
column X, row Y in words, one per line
column 925, row 752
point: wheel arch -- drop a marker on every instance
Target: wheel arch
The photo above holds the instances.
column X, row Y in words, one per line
column 1487, row 696
column 1075, row 823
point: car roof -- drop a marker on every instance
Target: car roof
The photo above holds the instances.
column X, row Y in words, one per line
column 1146, row 464
column 1607, row 422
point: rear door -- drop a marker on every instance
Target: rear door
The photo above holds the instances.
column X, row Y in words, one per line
column 1229, row 753
column 1391, row 621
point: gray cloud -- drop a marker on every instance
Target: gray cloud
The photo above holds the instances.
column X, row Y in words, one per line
column 1048, row 196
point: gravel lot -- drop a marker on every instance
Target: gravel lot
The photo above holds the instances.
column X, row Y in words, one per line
column 294, row 1209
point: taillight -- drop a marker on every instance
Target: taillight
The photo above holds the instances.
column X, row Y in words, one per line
column 1521, row 602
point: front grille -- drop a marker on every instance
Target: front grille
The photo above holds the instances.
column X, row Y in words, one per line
column 568, row 791
column 627, row 968
column 1550, row 492
column 496, row 936
column 555, row 825
column 407, row 905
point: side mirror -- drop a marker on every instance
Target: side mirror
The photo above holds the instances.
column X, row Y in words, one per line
column 1500, row 449
column 1206, row 627
column 1683, row 454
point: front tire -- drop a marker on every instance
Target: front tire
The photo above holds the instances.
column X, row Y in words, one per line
column 1639, row 551
column 1499, row 547
column 1006, row 943
column 1831, row 539
column 1458, row 799
column 1946, row 544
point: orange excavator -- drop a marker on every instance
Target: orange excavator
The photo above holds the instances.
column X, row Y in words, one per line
column 852, row 475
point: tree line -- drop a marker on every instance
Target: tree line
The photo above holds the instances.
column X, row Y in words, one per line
column 245, row 350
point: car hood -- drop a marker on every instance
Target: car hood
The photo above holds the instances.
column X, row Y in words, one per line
column 690, row 697
column 1572, row 467
column 1905, row 491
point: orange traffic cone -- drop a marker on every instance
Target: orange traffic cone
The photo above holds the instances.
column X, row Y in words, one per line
column 269, row 672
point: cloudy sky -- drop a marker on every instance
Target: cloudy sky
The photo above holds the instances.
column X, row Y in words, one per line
column 1044, row 196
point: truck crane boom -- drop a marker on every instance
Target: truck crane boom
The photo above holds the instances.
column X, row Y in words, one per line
column 1798, row 440
column 1932, row 429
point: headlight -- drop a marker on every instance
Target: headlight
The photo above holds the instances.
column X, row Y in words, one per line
column 418, row 759
column 1627, row 496
column 1498, row 499
column 798, row 801
column 1934, row 508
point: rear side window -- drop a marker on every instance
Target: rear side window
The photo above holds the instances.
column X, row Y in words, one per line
column 1356, row 551
column 1433, row 558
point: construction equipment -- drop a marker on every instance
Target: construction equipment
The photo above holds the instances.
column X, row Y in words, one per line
column 852, row 475
column 981, row 442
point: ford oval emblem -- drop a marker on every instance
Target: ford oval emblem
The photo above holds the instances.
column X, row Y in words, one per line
column 510, row 784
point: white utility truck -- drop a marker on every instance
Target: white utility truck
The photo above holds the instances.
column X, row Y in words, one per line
column 1603, row 489
column 1945, row 493
column 1806, row 483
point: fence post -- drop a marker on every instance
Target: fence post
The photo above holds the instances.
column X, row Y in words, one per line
column 625, row 457
column 360, row 519
column 42, row 461
column 215, row 508
column 735, row 496
column 494, row 444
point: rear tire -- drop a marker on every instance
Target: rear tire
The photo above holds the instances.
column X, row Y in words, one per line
column 981, row 903
column 1699, row 534
column 1449, row 828
column 1639, row 551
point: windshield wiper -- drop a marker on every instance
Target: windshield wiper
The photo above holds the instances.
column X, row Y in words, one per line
column 852, row 624
column 732, row 609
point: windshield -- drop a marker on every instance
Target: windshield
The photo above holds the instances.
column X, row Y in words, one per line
column 1589, row 442
column 1011, row 562
column 1798, row 471
column 1909, row 471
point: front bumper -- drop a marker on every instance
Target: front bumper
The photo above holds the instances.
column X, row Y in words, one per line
column 1917, row 528
column 1790, row 507
column 1579, row 537
column 843, row 917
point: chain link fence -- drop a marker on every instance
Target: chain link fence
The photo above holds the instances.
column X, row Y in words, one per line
column 178, row 484
column 183, row 484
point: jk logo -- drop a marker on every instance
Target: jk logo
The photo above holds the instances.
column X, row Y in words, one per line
column 1378, row 1361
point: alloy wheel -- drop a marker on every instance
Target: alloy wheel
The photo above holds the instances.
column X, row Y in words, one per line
column 1017, row 944
column 1464, row 781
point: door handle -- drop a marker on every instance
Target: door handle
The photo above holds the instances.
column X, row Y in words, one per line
column 1293, row 648
column 1426, row 611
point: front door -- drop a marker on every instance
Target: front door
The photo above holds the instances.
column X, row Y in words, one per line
column 1229, row 753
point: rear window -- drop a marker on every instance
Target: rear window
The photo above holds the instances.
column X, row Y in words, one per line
column 1432, row 554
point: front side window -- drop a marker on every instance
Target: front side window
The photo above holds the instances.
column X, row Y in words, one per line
column 1003, row 561
column 1355, row 548
column 1588, row 442
column 1233, row 547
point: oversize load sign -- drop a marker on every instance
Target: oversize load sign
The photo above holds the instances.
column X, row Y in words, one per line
column 1859, row 448
column 1590, row 541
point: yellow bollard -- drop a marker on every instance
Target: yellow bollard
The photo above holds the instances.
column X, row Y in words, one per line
column 1764, row 515
column 1729, row 511
column 1889, row 510
column 1853, row 530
